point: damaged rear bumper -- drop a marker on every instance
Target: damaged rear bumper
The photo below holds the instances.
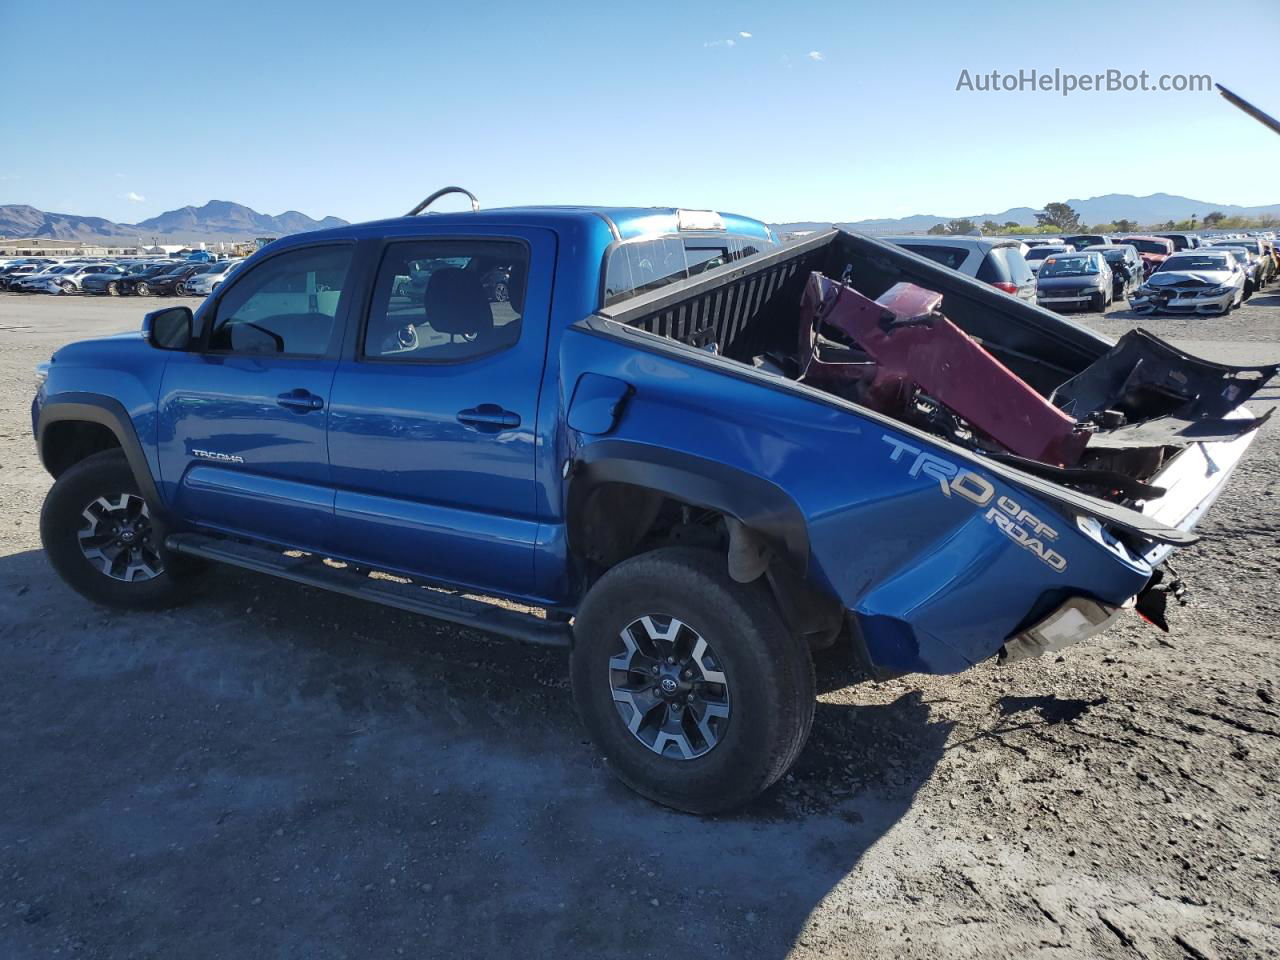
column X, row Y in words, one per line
column 1078, row 619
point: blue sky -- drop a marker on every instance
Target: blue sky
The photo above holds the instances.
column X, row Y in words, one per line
column 827, row 111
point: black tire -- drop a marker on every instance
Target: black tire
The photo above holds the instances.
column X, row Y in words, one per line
column 143, row 289
column 1098, row 303
column 768, row 673
column 180, row 290
column 107, row 475
column 113, row 289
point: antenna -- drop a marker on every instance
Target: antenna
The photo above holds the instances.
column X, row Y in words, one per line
column 444, row 191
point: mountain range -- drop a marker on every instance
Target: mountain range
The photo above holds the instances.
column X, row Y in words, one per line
column 1155, row 208
column 224, row 220
column 216, row 220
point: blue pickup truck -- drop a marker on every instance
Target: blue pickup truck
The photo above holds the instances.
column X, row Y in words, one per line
column 690, row 453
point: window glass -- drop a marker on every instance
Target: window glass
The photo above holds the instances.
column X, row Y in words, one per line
column 447, row 300
column 947, row 256
column 640, row 266
column 1069, row 267
column 284, row 305
column 1005, row 265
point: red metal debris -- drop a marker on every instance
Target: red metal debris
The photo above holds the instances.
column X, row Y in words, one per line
column 914, row 345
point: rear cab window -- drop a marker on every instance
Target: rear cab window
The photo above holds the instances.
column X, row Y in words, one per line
column 634, row 267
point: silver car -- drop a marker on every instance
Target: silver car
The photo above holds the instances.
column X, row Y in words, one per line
column 1208, row 280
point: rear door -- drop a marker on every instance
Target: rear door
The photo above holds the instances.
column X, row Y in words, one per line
column 432, row 428
column 242, row 422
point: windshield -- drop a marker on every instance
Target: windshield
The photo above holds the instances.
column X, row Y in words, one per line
column 1195, row 263
column 1069, row 267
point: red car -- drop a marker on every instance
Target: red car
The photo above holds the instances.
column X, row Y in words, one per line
column 1153, row 250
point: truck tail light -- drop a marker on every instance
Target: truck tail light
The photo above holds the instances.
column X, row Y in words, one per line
column 1006, row 286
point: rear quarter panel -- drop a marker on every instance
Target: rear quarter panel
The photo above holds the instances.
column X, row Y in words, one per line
column 932, row 554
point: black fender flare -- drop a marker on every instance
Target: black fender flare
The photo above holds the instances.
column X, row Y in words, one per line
column 759, row 504
column 110, row 413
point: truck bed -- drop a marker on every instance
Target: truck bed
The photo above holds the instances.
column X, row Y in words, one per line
column 1169, row 403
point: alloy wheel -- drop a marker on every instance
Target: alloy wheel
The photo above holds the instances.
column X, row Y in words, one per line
column 118, row 538
column 669, row 688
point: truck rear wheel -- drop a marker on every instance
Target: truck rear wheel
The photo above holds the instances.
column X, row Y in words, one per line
column 689, row 683
column 101, row 539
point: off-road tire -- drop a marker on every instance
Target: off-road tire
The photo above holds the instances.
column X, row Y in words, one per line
column 768, row 673
column 106, row 474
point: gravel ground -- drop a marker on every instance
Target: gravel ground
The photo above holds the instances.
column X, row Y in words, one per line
column 278, row 772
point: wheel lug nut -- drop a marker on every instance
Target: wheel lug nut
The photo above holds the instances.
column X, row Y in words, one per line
column 689, row 698
column 671, row 660
column 654, row 670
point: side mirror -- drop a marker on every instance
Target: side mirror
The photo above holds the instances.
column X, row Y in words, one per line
column 169, row 329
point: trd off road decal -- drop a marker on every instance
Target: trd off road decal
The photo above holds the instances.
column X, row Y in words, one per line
column 1007, row 515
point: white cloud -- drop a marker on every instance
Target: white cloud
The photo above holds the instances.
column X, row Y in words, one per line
column 744, row 34
column 724, row 43
column 814, row 55
column 135, row 197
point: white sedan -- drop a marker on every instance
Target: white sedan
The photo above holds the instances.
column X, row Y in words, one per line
column 203, row 284
column 1200, row 281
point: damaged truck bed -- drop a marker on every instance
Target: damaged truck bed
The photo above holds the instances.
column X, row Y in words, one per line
column 974, row 475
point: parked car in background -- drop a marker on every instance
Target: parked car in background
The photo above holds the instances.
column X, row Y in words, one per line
column 1250, row 261
column 36, row 281
column 203, row 284
column 1075, row 280
column 1126, row 268
column 171, row 282
column 104, row 280
column 1182, row 241
column 994, row 260
column 10, row 276
column 1204, row 281
column 1040, row 241
column 1036, row 255
column 1082, row 240
column 140, row 283
column 69, row 280
column 1259, row 250
column 1152, row 250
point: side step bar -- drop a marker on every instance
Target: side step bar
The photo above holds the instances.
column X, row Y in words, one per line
column 314, row 572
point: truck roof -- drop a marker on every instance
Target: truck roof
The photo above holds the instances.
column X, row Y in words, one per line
column 624, row 223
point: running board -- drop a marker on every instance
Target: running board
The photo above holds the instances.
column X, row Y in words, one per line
column 312, row 571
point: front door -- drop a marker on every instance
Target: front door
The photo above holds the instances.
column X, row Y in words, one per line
column 242, row 422
column 432, row 432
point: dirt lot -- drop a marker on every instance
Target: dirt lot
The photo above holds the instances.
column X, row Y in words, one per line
column 276, row 772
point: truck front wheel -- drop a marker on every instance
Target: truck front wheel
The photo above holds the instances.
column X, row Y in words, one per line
column 689, row 683
column 101, row 538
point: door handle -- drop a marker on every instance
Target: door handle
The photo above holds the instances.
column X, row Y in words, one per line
column 489, row 418
column 301, row 400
